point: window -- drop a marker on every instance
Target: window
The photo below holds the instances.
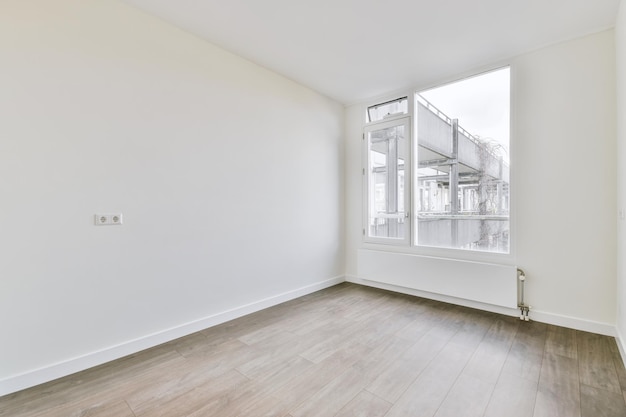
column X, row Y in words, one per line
column 387, row 109
column 387, row 159
column 459, row 194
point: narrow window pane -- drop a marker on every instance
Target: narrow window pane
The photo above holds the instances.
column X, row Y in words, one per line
column 386, row 156
column 462, row 191
column 387, row 109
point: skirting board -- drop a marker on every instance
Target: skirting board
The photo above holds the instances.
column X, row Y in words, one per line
column 619, row 339
column 65, row 368
column 574, row 323
column 539, row 316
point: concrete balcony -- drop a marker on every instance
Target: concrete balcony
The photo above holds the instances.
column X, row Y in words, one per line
column 435, row 146
column 463, row 186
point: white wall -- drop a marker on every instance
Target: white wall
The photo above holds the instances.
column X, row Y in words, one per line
column 620, row 38
column 564, row 170
column 228, row 175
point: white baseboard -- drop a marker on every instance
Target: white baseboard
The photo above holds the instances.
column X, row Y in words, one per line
column 536, row 315
column 65, row 368
column 575, row 323
column 619, row 339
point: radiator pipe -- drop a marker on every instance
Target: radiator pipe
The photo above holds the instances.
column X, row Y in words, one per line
column 521, row 304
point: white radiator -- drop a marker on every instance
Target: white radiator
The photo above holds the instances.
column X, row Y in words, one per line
column 475, row 281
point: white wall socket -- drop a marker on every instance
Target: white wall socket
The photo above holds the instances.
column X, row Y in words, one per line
column 108, row 219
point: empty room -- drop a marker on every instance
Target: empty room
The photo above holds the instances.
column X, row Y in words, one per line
column 312, row 208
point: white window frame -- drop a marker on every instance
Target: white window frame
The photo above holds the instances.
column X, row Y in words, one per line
column 406, row 121
column 410, row 246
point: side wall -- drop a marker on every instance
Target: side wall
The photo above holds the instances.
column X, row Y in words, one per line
column 620, row 47
column 228, row 176
column 563, row 179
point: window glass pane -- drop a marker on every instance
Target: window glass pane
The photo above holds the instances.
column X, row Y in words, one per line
column 387, row 109
column 462, row 191
column 386, row 156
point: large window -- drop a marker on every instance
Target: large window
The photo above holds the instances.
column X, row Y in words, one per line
column 459, row 193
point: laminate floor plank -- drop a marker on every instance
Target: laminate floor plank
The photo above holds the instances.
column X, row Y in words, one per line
column 345, row 387
column 493, row 350
column 425, row 395
column 470, row 394
column 525, row 357
column 516, row 389
column 561, row 341
column 440, row 389
column 267, row 332
column 316, row 377
column 262, row 400
column 300, row 321
column 472, row 328
column 332, row 343
column 315, row 322
column 431, row 315
column 468, row 397
column 271, row 353
column 103, row 394
column 387, row 326
column 595, row 362
column 195, row 398
column 88, row 408
column 558, row 392
column 346, row 351
column 619, row 364
column 365, row 405
column 94, row 383
column 366, row 308
column 512, row 397
column 392, row 382
column 269, row 406
column 597, row 402
column 234, row 401
column 196, row 372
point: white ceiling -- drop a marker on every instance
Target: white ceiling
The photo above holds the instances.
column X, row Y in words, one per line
column 355, row 49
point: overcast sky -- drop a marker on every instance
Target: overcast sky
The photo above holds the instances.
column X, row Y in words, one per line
column 481, row 104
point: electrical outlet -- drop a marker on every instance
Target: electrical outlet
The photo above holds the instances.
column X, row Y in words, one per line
column 108, row 219
column 101, row 219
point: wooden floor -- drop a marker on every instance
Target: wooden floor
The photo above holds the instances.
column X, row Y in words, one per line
column 351, row 351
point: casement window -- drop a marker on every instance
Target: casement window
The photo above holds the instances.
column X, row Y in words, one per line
column 388, row 172
column 388, row 109
column 436, row 169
